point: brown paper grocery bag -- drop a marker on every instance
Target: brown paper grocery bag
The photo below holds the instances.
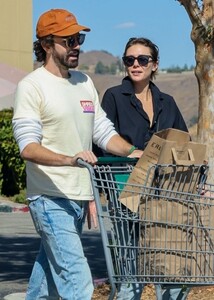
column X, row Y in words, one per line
column 177, row 238
column 170, row 146
column 163, row 244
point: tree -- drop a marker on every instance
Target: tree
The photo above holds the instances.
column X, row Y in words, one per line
column 113, row 69
column 101, row 68
column 201, row 14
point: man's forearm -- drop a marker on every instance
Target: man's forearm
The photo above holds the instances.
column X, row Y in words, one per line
column 118, row 146
column 40, row 155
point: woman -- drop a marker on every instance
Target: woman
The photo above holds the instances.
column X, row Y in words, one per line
column 138, row 109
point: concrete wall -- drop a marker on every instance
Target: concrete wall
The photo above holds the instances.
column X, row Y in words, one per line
column 16, row 33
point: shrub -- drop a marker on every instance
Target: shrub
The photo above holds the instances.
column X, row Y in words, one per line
column 12, row 176
column 20, row 198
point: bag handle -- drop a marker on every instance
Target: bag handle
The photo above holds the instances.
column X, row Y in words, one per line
column 184, row 162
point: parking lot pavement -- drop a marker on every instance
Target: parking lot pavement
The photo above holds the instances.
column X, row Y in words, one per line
column 20, row 243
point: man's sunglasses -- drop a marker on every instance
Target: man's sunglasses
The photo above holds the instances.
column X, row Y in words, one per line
column 74, row 39
column 143, row 60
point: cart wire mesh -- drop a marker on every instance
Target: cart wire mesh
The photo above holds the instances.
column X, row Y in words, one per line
column 169, row 239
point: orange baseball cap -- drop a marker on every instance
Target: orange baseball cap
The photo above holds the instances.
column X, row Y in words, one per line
column 58, row 22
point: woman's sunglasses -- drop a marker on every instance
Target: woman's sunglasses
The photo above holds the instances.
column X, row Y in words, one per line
column 143, row 60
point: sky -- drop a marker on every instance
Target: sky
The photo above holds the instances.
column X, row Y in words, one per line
column 113, row 22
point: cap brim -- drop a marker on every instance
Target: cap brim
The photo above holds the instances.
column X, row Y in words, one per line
column 71, row 30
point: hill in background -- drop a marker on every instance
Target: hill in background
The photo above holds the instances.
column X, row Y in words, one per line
column 91, row 58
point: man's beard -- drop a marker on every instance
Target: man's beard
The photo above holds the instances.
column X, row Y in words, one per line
column 63, row 60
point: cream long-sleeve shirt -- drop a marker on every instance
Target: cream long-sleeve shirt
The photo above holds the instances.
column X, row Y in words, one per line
column 71, row 117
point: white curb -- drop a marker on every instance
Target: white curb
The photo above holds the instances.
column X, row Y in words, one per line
column 15, row 296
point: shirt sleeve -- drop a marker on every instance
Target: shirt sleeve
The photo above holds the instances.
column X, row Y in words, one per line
column 103, row 127
column 26, row 131
column 27, row 101
column 103, row 131
column 109, row 106
column 179, row 120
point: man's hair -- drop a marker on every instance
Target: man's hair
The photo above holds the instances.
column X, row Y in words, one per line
column 38, row 47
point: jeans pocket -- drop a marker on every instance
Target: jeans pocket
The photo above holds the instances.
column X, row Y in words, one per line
column 35, row 207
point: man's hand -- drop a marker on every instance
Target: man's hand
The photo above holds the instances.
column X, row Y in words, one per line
column 87, row 156
column 92, row 214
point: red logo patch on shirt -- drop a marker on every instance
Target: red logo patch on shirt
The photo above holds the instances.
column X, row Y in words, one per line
column 87, row 105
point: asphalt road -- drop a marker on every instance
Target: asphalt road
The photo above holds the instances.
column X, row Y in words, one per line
column 19, row 244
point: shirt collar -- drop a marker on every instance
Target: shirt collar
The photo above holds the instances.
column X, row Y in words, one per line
column 128, row 88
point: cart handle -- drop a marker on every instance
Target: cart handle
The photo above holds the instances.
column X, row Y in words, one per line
column 115, row 159
column 108, row 160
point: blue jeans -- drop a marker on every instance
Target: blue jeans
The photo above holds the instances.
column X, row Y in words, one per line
column 61, row 269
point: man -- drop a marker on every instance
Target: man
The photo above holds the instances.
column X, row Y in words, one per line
column 57, row 115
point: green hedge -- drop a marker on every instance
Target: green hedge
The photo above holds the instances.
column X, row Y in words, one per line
column 12, row 166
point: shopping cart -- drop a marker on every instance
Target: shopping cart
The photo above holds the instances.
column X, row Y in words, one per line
column 169, row 239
